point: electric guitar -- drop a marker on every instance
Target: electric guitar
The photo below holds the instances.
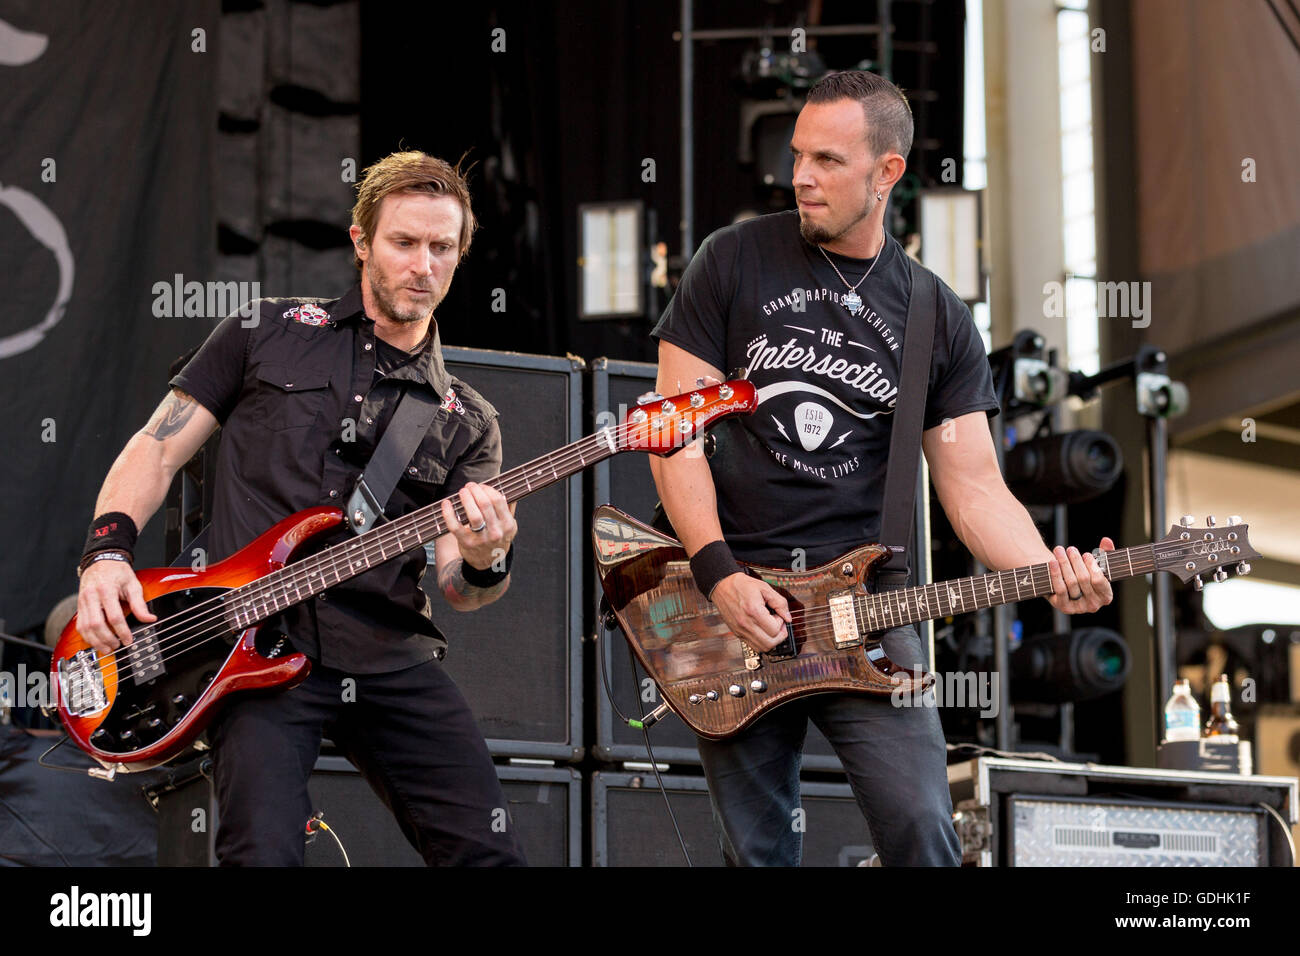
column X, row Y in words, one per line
column 718, row 684
column 147, row 703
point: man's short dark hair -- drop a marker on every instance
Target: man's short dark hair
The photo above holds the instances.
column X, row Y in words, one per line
column 889, row 118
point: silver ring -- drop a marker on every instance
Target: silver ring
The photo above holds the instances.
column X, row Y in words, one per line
column 479, row 528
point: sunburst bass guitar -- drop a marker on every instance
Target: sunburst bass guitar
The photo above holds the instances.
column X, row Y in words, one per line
column 148, row 702
column 719, row 684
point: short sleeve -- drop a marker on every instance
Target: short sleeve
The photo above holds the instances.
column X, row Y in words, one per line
column 961, row 380
column 481, row 461
column 215, row 375
column 696, row 317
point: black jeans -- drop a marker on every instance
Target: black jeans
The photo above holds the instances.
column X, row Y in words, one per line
column 409, row 732
column 896, row 762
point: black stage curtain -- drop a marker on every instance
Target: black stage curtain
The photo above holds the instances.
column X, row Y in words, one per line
column 107, row 120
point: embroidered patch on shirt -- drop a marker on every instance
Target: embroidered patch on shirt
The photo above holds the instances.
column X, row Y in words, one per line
column 308, row 315
column 451, row 403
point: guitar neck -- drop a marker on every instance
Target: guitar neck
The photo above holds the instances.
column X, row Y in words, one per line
column 303, row 579
column 961, row 595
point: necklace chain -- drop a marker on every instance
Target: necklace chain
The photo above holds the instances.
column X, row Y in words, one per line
column 853, row 289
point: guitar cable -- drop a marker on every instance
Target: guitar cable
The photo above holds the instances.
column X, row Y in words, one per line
column 317, row 822
column 606, row 625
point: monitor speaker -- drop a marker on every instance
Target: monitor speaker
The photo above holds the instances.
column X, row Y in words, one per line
column 519, row 660
column 544, row 805
column 631, row 826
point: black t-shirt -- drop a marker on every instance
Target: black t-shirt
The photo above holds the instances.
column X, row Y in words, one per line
column 806, row 470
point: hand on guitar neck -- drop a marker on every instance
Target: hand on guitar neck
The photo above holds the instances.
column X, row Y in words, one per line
column 1079, row 586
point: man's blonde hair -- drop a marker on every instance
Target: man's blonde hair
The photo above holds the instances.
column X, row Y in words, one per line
column 411, row 171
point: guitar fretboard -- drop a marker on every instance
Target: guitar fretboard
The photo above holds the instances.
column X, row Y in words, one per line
column 925, row 602
column 246, row 605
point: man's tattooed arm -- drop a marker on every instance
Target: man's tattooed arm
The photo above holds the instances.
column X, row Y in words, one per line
column 171, row 416
column 462, row 595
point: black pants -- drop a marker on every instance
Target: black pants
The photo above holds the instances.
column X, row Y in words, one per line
column 409, row 732
column 894, row 756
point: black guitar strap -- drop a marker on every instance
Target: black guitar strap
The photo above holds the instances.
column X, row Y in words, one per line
column 897, row 520
column 415, row 412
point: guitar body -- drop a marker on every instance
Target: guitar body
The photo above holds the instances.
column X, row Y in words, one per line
column 708, row 676
column 147, row 703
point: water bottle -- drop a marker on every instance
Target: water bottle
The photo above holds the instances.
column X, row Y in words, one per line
column 1182, row 714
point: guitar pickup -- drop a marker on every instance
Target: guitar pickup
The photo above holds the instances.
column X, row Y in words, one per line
column 844, row 620
column 143, row 656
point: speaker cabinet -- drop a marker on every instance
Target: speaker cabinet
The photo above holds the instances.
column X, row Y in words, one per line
column 519, row 661
column 545, row 806
column 625, row 482
column 631, row 827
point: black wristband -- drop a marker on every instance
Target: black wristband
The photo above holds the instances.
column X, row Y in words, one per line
column 489, row 576
column 711, row 564
column 111, row 531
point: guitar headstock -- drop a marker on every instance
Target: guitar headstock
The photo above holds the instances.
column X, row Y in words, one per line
column 662, row 426
column 1189, row 552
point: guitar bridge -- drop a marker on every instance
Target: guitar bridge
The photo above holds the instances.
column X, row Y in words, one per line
column 786, row 649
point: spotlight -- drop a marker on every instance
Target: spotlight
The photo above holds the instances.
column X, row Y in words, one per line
column 1063, row 469
column 1054, row 668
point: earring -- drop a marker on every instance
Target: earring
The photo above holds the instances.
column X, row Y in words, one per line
column 878, row 196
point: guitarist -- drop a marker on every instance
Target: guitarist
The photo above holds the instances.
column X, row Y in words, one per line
column 303, row 390
column 814, row 304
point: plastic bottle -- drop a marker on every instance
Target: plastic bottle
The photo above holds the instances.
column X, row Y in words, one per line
column 1182, row 714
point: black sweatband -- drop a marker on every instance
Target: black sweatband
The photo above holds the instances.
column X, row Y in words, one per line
column 489, row 576
column 711, row 564
column 111, row 531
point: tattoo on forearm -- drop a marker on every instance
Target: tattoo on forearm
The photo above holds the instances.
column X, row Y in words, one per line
column 171, row 417
column 451, row 580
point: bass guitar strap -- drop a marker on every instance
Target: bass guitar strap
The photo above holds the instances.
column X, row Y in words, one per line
column 897, row 521
column 415, row 412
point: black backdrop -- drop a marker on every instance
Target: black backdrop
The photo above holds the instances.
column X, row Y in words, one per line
column 120, row 102
column 584, row 92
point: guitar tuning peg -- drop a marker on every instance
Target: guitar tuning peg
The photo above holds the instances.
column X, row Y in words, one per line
column 1243, row 569
column 1209, row 521
column 1198, row 583
column 699, row 382
column 1234, row 519
column 649, row 397
column 1220, row 574
column 1187, row 521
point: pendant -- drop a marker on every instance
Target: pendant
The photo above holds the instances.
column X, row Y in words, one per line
column 851, row 301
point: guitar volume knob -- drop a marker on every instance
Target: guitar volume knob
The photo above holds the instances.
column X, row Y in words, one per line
column 695, row 698
column 711, row 694
column 735, row 690
column 758, row 686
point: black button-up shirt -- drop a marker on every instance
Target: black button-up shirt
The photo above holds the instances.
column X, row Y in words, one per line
column 302, row 408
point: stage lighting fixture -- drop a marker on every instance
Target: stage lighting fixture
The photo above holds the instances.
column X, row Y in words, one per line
column 1057, row 668
column 613, row 267
column 1064, row 468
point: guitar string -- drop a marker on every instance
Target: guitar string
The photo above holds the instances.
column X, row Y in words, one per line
column 299, row 575
column 895, row 616
column 889, row 615
column 375, row 543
